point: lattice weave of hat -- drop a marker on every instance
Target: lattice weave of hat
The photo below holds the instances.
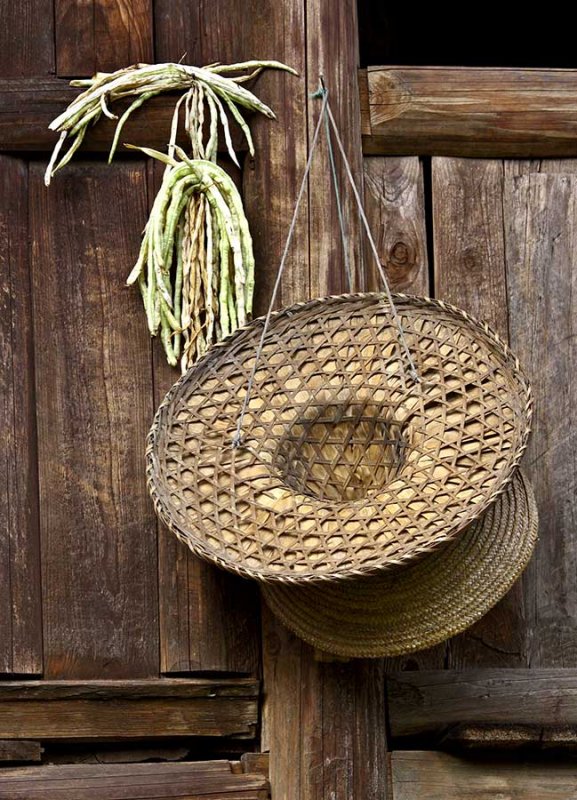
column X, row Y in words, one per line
column 347, row 465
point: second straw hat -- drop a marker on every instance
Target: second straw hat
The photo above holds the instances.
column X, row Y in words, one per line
column 421, row 604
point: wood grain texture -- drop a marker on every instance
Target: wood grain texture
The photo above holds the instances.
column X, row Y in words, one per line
column 94, row 406
column 541, row 234
column 27, row 39
column 199, row 780
column 469, row 258
column 395, row 207
column 20, row 591
column 429, row 702
column 102, row 35
column 27, row 106
column 325, row 719
column 439, row 776
column 120, row 710
column 23, row 750
column 471, row 111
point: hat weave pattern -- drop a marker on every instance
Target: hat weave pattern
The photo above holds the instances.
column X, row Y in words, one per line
column 346, row 464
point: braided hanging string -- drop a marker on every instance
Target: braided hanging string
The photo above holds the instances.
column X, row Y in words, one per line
column 327, row 116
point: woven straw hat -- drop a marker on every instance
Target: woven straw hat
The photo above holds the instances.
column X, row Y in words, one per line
column 421, row 604
column 347, row 465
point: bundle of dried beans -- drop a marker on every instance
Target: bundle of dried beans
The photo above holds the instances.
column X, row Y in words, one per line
column 195, row 269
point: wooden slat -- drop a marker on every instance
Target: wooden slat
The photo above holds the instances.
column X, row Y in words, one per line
column 511, row 737
column 469, row 257
column 541, row 234
column 28, row 39
column 27, row 106
column 438, row 776
column 20, row 593
column 119, row 710
column 430, row 702
column 102, row 35
column 395, row 207
column 20, row 750
column 471, row 111
column 188, row 781
column 94, row 408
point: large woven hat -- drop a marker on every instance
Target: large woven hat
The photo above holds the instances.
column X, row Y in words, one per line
column 421, row 604
column 347, row 465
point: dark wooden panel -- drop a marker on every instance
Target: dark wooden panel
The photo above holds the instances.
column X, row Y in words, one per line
column 20, row 750
column 81, row 710
column 468, row 231
column 332, row 51
column 395, row 207
column 438, row 776
column 187, row 781
column 102, row 35
column 470, row 111
column 94, row 407
column 27, row 38
column 27, row 107
column 430, row 702
column 20, row 592
column 541, row 233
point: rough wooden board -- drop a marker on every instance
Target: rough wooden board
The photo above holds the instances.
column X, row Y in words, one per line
column 438, row 776
column 28, row 106
column 332, row 51
column 28, row 38
column 187, row 781
column 102, row 35
column 541, row 236
column 469, row 242
column 126, row 690
column 430, row 702
column 21, row 750
column 20, row 591
column 511, row 737
column 94, row 405
column 471, row 111
column 395, row 207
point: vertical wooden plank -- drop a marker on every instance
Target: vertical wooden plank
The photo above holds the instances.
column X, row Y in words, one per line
column 541, row 235
column 102, row 35
column 395, row 207
column 28, row 41
column 94, row 406
column 469, row 263
column 332, row 50
column 20, row 601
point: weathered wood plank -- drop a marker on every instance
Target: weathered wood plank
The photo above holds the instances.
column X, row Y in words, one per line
column 28, row 39
column 188, row 781
column 469, row 245
column 20, row 750
column 429, row 702
column 94, row 406
column 395, row 207
column 27, row 106
column 541, row 235
column 471, row 111
column 439, row 776
column 102, row 35
column 119, row 710
column 511, row 737
column 20, row 592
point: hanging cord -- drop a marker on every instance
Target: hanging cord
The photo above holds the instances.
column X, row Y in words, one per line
column 321, row 92
column 326, row 115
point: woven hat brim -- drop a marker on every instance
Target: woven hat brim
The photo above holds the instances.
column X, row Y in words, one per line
column 417, row 606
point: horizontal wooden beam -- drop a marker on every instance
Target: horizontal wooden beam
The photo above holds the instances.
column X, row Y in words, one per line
column 20, row 750
column 188, row 780
column 439, row 776
column 28, row 106
column 469, row 111
column 120, row 710
column 430, row 702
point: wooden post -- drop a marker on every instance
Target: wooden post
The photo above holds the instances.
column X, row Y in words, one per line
column 323, row 722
